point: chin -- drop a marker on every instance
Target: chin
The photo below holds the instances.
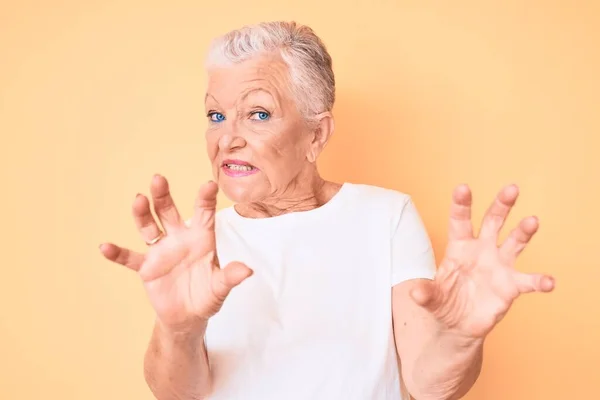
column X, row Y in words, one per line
column 238, row 191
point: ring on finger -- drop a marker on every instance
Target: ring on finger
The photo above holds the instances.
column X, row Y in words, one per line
column 156, row 239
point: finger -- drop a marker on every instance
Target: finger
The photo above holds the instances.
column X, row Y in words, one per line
column 518, row 238
column 123, row 256
column 144, row 220
column 164, row 206
column 205, row 206
column 460, row 226
column 498, row 211
column 424, row 294
column 527, row 283
column 229, row 277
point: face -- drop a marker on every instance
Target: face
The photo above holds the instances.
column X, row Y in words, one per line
column 259, row 144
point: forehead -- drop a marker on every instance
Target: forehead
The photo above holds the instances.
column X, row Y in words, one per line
column 268, row 72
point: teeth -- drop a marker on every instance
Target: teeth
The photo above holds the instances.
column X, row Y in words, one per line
column 239, row 167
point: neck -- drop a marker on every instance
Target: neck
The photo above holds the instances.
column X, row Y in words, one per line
column 302, row 194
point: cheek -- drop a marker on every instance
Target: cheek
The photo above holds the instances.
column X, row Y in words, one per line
column 281, row 161
column 277, row 150
column 292, row 145
column 279, row 141
column 212, row 144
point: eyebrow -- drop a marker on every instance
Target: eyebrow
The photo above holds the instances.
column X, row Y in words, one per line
column 209, row 95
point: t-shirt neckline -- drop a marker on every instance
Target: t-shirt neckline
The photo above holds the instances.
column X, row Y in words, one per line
column 296, row 216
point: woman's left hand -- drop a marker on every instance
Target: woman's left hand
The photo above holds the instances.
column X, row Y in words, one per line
column 476, row 282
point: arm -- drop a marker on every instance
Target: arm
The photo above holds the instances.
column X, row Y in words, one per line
column 185, row 284
column 434, row 363
column 440, row 324
column 176, row 365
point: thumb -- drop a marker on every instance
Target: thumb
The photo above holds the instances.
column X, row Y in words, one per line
column 424, row 294
column 229, row 277
column 527, row 283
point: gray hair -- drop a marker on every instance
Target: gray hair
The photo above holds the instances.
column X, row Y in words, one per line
column 309, row 63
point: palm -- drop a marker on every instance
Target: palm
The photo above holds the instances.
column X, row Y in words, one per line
column 182, row 286
column 181, row 272
column 476, row 282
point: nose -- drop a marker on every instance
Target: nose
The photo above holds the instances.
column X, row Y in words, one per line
column 230, row 142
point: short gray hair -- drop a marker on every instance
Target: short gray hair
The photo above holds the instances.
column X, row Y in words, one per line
column 309, row 63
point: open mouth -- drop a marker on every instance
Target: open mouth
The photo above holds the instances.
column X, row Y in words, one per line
column 237, row 168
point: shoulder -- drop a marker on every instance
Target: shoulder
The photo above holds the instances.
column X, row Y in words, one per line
column 378, row 198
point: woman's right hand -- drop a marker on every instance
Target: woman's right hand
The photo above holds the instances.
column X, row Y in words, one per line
column 181, row 272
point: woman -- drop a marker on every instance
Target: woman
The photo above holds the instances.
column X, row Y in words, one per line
column 306, row 288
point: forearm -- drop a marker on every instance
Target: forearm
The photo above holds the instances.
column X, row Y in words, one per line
column 446, row 367
column 176, row 365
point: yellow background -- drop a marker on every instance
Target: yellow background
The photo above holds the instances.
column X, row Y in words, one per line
column 96, row 96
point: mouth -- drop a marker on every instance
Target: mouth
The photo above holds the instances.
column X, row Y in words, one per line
column 238, row 168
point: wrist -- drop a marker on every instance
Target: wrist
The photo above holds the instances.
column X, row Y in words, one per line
column 459, row 340
column 192, row 330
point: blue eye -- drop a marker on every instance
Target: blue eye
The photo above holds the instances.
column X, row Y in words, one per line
column 216, row 117
column 262, row 115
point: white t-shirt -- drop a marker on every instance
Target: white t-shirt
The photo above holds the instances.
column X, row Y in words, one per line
column 315, row 320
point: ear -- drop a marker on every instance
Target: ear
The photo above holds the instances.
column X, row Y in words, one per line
column 323, row 128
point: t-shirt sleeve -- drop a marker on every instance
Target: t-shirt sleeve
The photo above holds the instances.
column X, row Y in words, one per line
column 412, row 252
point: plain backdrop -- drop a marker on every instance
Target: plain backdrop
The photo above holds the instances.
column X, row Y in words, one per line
column 97, row 96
